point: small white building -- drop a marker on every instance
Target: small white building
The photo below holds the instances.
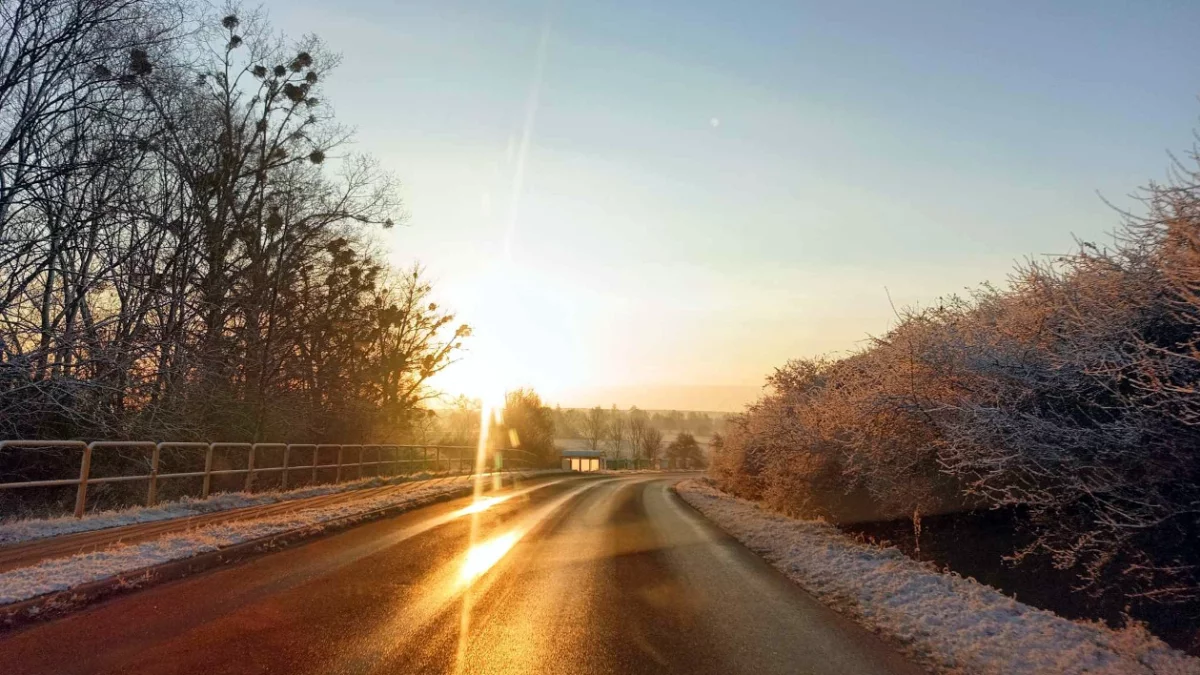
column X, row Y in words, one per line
column 582, row 460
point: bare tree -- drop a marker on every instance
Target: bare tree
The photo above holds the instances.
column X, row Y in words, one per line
column 638, row 426
column 651, row 444
column 595, row 427
column 181, row 250
column 616, row 432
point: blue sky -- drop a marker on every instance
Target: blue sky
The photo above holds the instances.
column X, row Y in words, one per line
column 712, row 188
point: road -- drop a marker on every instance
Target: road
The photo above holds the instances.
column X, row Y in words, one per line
column 26, row 553
column 580, row 574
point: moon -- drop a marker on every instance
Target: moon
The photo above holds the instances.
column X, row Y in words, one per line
column 714, row 122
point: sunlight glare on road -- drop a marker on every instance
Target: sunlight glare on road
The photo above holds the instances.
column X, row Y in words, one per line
column 484, row 555
column 481, row 504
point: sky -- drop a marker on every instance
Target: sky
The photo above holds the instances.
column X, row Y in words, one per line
column 657, row 203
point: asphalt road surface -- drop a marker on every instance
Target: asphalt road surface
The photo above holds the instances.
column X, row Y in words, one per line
column 585, row 575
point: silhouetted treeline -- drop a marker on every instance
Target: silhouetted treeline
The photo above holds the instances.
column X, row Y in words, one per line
column 636, row 435
column 1071, row 398
column 185, row 240
column 571, row 422
column 525, row 422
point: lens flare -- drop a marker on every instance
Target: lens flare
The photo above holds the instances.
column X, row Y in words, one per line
column 481, row 557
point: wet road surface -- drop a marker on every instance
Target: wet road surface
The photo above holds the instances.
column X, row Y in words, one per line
column 561, row 574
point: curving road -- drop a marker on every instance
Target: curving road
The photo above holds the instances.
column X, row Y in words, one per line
column 583, row 575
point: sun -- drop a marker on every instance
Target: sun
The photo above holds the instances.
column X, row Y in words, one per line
column 523, row 334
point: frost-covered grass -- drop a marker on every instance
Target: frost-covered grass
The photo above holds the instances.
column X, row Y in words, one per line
column 60, row 574
column 15, row 531
column 949, row 622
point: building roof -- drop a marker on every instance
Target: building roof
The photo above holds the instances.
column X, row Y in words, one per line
column 582, row 453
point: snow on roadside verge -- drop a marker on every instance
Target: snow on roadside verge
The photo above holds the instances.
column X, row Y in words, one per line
column 60, row 574
column 17, row 531
column 947, row 621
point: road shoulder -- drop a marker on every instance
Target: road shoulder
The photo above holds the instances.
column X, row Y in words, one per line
column 60, row 585
column 943, row 621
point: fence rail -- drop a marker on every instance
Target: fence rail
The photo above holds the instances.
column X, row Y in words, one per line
column 449, row 458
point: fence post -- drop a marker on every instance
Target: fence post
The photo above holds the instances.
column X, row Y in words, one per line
column 208, row 459
column 250, row 468
column 287, row 451
column 152, row 491
column 85, row 469
column 337, row 477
